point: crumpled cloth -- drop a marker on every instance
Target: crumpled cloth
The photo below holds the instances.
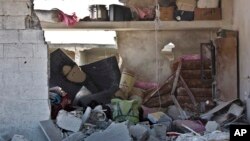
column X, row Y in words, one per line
column 144, row 13
column 55, row 98
column 68, row 20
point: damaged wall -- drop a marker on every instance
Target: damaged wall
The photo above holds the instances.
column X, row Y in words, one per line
column 138, row 50
column 242, row 24
column 23, row 72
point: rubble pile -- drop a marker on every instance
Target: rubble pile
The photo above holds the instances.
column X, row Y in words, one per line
column 108, row 105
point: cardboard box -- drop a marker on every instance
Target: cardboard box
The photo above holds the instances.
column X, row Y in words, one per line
column 207, row 14
column 186, row 5
column 167, row 13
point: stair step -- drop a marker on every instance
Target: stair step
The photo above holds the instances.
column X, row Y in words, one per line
column 195, row 74
column 197, row 92
column 192, row 65
column 197, row 83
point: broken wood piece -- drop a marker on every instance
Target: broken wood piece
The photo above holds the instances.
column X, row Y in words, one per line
column 50, row 130
column 183, row 114
column 155, row 91
column 162, row 101
column 190, row 94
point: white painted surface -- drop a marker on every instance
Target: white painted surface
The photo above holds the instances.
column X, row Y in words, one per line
column 242, row 24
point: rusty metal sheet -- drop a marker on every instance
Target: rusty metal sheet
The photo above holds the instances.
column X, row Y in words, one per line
column 226, row 68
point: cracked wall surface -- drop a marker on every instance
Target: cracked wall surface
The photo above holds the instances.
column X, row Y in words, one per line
column 23, row 71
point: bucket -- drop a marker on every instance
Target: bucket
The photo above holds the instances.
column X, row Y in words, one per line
column 127, row 81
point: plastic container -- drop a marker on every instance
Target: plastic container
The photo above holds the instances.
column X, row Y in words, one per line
column 127, row 81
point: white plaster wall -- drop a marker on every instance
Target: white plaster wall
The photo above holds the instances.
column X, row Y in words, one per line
column 141, row 50
column 242, row 24
column 23, row 73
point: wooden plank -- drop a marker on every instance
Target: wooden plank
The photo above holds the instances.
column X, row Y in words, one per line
column 190, row 94
column 134, row 25
column 226, row 68
column 156, row 91
column 51, row 131
column 178, row 71
column 197, row 92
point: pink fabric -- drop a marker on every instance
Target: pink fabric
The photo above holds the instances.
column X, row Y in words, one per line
column 191, row 57
column 145, row 85
column 144, row 13
column 68, row 20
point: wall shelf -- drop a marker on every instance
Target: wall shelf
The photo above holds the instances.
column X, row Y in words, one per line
column 134, row 25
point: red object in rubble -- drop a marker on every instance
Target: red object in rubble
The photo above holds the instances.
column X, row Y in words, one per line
column 69, row 20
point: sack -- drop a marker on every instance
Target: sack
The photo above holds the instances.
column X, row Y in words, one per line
column 124, row 110
column 184, row 15
column 186, row 5
column 208, row 3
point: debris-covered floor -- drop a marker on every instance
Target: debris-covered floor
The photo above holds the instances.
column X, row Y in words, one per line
column 98, row 101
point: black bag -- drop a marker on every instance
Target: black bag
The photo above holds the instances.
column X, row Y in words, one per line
column 119, row 13
column 184, row 15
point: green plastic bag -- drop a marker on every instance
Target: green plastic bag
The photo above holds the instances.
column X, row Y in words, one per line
column 125, row 110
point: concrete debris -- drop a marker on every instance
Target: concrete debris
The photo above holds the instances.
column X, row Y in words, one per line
column 115, row 132
column 139, row 132
column 51, row 131
column 4, row 136
column 152, row 138
column 235, row 110
column 217, row 136
column 68, row 121
column 78, row 136
column 190, row 137
column 214, row 136
column 19, row 138
column 212, row 126
column 159, row 117
column 197, row 126
column 159, row 131
column 173, row 112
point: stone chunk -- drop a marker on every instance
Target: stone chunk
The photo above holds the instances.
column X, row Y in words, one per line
column 68, row 121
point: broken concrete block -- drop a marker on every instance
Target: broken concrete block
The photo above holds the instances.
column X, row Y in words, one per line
column 159, row 131
column 78, row 136
column 50, row 130
column 152, row 138
column 115, row 132
column 139, row 132
column 174, row 112
column 159, row 117
column 190, row 137
column 212, row 126
column 19, row 138
column 68, row 121
column 217, row 136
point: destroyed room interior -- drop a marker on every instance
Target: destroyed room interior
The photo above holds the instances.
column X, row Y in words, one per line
column 124, row 70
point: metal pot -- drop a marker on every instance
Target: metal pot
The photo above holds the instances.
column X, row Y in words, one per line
column 98, row 12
